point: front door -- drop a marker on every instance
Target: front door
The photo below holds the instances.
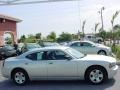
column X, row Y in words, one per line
column 59, row 67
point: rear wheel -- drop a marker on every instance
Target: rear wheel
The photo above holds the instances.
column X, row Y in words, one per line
column 101, row 52
column 20, row 77
column 99, row 41
column 96, row 75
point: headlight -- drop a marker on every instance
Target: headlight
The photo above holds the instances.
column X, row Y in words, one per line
column 112, row 65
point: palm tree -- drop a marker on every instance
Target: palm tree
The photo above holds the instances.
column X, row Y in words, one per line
column 83, row 27
column 96, row 26
column 112, row 23
column 101, row 14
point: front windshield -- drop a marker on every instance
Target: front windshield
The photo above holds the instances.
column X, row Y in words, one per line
column 75, row 53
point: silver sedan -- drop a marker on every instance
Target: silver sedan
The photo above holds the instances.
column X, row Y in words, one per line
column 59, row 63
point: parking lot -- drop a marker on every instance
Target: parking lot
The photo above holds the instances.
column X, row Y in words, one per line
column 112, row 84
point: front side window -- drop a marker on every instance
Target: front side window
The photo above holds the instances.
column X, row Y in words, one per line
column 58, row 55
column 86, row 44
column 77, row 44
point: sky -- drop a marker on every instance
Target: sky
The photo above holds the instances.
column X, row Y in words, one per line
column 62, row 16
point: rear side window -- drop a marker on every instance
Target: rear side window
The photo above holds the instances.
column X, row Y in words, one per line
column 36, row 56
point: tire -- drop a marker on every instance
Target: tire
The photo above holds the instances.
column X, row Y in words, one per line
column 96, row 75
column 0, row 57
column 20, row 77
column 99, row 41
column 102, row 52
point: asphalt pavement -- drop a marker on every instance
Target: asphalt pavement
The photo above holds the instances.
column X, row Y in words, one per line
column 113, row 84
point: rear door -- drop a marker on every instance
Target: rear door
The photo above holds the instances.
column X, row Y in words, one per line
column 36, row 66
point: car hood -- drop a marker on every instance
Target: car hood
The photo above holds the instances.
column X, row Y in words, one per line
column 99, row 58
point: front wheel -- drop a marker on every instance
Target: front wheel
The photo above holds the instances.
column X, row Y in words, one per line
column 20, row 77
column 96, row 75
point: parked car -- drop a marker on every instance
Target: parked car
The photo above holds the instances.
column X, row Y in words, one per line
column 64, row 43
column 48, row 44
column 88, row 47
column 93, row 38
column 7, row 51
column 29, row 46
column 20, row 45
column 59, row 63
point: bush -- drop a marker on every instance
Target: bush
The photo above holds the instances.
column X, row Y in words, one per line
column 116, row 51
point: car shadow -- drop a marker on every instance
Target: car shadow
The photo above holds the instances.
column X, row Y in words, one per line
column 56, row 85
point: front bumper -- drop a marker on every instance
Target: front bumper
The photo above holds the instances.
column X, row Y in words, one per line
column 112, row 72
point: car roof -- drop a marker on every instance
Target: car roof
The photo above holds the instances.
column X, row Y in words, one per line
column 49, row 48
column 81, row 41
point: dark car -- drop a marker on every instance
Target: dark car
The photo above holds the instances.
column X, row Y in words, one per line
column 29, row 46
column 7, row 51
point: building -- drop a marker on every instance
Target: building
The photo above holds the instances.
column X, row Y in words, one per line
column 8, row 24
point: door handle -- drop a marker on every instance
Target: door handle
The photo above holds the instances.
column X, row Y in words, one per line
column 50, row 62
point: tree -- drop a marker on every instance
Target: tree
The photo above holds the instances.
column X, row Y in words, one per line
column 112, row 23
column 116, row 27
column 31, row 38
column 83, row 27
column 52, row 36
column 101, row 15
column 96, row 26
column 22, row 38
column 38, row 36
column 114, row 17
column 64, row 37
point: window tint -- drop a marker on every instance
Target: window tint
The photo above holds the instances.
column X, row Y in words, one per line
column 60, row 55
column 77, row 44
column 89, row 36
column 48, row 55
column 57, row 55
column 36, row 56
column 86, row 44
column 32, row 56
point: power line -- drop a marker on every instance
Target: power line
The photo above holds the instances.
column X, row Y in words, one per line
column 14, row 2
